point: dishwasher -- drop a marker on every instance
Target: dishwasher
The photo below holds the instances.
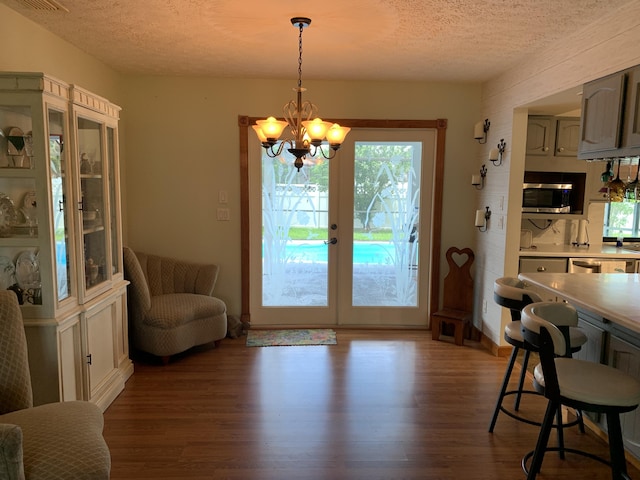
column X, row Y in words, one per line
column 601, row 265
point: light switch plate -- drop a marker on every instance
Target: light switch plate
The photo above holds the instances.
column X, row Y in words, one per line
column 223, row 214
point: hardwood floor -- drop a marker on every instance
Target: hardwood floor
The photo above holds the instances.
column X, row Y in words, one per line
column 379, row 405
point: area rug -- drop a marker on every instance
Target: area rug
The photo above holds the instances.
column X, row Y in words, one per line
column 275, row 338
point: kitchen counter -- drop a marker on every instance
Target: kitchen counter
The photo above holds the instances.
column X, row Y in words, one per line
column 592, row 251
column 613, row 296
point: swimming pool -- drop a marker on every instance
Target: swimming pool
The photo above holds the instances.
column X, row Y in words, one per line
column 378, row 253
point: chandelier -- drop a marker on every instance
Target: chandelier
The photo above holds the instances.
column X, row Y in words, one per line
column 308, row 134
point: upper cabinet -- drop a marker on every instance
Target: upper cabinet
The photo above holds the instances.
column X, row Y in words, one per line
column 610, row 123
column 552, row 136
column 60, row 235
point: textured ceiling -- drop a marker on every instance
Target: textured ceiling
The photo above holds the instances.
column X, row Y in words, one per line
column 439, row 40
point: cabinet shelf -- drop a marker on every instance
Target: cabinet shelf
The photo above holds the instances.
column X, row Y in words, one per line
column 11, row 172
column 93, row 229
column 19, row 241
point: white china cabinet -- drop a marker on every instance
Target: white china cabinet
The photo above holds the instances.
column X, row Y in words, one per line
column 60, row 235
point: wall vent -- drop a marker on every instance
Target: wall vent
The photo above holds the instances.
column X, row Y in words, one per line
column 48, row 5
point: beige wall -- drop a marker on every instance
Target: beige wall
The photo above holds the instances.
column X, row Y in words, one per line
column 609, row 46
column 29, row 48
column 183, row 149
column 179, row 143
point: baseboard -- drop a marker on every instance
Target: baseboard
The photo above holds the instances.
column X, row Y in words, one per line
column 497, row 350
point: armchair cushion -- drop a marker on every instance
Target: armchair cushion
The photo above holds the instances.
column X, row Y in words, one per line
column 61, row 441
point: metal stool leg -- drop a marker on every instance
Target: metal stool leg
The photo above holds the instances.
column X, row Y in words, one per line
column 543, row 439
column 523, row 374
column 560, row 432
column 505, row 383
column 616, row 447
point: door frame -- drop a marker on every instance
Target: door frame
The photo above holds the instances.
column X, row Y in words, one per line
column 440, row 125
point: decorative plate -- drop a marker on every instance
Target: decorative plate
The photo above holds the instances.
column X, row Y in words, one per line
column 7, row 273
column 28, row 270
column 8, row 215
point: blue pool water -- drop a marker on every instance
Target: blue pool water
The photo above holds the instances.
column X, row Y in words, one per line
column 363, row 252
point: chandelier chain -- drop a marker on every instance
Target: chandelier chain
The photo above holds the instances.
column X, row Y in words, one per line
column 301, row 26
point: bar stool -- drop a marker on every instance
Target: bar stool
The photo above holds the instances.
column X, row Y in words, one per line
column 580, row 384
column 513, row 294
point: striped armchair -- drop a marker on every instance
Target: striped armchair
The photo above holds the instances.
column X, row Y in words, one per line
column 57, row 441
column 171, row 304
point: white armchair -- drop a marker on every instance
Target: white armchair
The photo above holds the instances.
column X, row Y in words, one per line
column 57, row 441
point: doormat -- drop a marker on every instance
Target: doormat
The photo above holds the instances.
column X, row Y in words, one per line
column 275, row 338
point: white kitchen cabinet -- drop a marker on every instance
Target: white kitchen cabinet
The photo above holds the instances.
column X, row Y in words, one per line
column 543, row 264
column 552, row 136
column 610, row 123
column 60, row 235
column 596, row 338
column 626, row 357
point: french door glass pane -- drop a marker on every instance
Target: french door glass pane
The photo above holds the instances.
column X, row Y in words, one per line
column 294, row 230
column 385, row 223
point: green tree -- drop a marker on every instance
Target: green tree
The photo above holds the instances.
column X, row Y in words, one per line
column 369, row 180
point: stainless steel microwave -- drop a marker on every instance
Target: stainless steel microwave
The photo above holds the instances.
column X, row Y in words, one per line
column 546, row 197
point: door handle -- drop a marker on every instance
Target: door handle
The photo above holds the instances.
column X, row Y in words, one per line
column 332, row 241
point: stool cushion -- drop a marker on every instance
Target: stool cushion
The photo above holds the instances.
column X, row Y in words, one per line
column 513, row 331
column 593, row 383
column 514, row 289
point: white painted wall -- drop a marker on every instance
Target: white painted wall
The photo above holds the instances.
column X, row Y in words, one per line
column 607, row 47
column 183, row 149
column 180, row 141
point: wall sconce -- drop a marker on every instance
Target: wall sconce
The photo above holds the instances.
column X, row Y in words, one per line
column 480, row 131
column 495, row 155
column 478, row 180
column 482, row 219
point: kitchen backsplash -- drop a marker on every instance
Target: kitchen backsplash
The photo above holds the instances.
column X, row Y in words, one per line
column 564, row 232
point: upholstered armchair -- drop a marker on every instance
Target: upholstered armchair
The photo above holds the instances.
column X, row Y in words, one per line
column 57, row 441
column 171, row 304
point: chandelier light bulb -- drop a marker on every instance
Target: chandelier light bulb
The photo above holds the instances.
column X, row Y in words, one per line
column 336, row 134
column 271, row 128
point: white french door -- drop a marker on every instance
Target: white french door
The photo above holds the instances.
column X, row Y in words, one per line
column 343, row 241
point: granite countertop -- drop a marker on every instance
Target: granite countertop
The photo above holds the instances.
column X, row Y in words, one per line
column 614, row 296
column 592, row 251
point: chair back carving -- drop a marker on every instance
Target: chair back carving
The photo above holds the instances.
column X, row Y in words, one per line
column 458, row 284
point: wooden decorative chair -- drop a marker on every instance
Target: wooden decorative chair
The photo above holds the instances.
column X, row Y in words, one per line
column 457, row 309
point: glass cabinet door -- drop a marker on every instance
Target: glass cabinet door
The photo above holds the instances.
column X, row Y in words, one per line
column 92, row 201
column 63, row 261
column 19, row 236
column 114, row 206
